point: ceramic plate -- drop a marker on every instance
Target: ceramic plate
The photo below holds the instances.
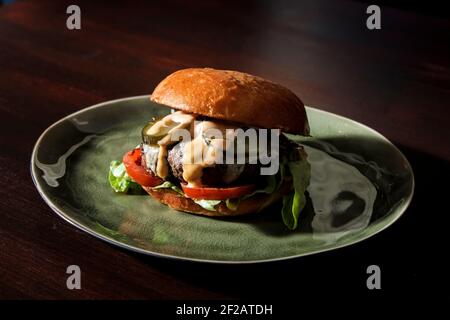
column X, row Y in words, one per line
column 361, row 183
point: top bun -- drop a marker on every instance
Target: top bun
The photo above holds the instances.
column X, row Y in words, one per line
column 233, row 96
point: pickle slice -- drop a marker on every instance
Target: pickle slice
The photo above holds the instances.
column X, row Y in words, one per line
column 151, row 139
column 161, row 131
column 157, row 129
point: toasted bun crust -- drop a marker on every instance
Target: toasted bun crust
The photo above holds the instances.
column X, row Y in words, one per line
column 251, row 205
column 233, row 96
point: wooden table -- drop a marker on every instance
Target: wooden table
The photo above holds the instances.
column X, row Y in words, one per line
column 396, row 80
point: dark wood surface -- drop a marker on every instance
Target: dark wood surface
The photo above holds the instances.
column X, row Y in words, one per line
column 396, row 80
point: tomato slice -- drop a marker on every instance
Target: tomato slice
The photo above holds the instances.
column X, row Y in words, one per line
column 217, row 193
column 132, row 162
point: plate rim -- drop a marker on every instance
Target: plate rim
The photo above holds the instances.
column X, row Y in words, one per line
column 73, row 222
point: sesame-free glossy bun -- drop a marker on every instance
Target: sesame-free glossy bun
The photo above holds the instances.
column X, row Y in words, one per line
column 233, row 96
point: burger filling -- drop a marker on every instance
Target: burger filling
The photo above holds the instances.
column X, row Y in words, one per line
column 199, row 160
column 190, row 154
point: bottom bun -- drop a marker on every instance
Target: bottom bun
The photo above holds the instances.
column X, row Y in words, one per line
column 251, row 205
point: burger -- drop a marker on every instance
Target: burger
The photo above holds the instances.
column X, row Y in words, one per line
column 223, row 149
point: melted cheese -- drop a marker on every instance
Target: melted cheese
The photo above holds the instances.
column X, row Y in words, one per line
column 166, row 128
column 170, row 123
column 204, row 150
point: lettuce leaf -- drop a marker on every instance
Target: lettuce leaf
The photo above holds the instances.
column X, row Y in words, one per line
column 232, row 204
column 294, row 202
column 119, row 179
column 207, row 204
column 170, row 185
column 271, row 186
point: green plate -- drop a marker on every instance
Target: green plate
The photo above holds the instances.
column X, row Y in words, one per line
column 361, row 183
